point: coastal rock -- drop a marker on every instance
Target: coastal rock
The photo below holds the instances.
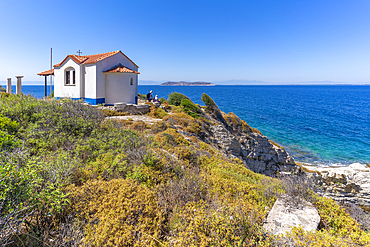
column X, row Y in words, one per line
column 129, row 108
column 348, row 184
column 261, row 153
column 226, row 140
column 255, row 150
column 283, row 216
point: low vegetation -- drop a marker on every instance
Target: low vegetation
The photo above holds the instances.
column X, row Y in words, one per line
column 176, row 98
column 142, row 96
column 68, row 177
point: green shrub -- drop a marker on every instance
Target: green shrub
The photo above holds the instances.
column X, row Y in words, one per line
column 218, row 224
column 3, row 95
column 65, row 115
column 16, row 191
column 141, row 96
column 106, row 167
column 212, row 109
column 170, row 138
column 48, row 125
column 208, row 101
column 8, row 129
column 109, row 113
column 160, row 113
column 15, row 187
column 189, row 123
column 190, row 108
column 108, row 138
column 178, row 192
column 139, row 126
column 8, row 125
column 158, row 127
column 175, row 98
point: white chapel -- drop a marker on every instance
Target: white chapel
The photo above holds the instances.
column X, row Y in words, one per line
column 107, row 78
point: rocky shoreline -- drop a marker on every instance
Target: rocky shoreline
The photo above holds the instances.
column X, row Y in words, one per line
column 345, row 184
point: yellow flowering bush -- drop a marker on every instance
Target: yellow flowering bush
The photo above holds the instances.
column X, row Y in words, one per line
column 119, row 213
column 189, row 123
column 219, row 224
column 170, row 138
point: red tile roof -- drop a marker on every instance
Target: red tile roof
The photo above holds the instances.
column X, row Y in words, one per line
column 119, row 68
column 88, row 59
column 48, row 72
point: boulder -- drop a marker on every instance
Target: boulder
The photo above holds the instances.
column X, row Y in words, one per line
column 283, row 216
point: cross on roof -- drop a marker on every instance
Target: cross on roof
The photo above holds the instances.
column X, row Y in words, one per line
column 79, row 52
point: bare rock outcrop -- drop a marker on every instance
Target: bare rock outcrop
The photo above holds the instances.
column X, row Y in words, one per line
column 283, row 216
column 348, row 184
column 254, row 149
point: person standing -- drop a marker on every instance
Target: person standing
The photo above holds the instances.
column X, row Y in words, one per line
column 149, row 96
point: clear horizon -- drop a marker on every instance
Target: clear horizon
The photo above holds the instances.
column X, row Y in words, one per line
column 271, row 41
column 220, row 83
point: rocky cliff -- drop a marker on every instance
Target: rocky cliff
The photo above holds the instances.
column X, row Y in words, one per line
column 237, row 139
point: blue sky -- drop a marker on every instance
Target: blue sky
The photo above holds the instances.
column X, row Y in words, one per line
column 263, row 40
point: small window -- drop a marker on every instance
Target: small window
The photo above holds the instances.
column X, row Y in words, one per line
column 70, row 76
column 132, row 82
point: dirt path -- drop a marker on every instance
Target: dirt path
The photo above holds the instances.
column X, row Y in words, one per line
column 135, row 118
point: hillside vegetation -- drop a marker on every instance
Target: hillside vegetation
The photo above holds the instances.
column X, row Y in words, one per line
column 68, row 177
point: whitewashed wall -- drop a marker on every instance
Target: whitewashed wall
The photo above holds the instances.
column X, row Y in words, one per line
column 90, row 81
column 118, row 88
column 70, row 91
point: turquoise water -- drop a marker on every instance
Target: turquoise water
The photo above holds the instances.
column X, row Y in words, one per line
column 316, row 124
column 35, row 90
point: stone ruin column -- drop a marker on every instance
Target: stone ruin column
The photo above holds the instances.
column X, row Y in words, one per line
column 9, row 85
column 19, row 84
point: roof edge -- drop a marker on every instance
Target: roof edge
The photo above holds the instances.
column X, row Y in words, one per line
column 119, row 65
column 84, row 58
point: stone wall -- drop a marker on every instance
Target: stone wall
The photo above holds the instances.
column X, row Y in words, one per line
column 132, row 108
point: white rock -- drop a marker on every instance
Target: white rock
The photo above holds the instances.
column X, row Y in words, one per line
column 283, row 217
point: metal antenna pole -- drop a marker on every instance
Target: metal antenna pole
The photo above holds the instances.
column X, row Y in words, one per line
column 51, row 69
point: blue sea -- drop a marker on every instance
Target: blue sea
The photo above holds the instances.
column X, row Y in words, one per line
column 325, row 125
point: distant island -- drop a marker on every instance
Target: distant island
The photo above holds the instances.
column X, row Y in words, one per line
column 184, row 83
